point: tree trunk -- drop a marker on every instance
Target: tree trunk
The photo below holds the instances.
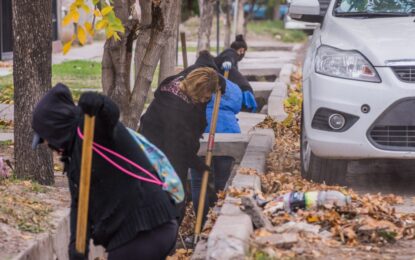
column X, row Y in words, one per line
column 240, row 23
column 248, row 17
column 116, row 61
column 200, row 2
column 228, row 22
column 156, row 27
column 32, row 27
column 168, row 56
column 205, row 27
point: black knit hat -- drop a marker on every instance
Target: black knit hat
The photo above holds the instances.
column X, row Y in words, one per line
column 239, row 43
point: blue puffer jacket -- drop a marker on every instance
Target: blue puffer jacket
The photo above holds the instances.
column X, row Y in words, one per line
column 230, row 105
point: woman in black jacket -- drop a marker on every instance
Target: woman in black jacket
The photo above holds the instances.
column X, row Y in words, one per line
column 132, row 219
column 176, row 119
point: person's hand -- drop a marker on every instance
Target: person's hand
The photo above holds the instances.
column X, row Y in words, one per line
column 227, row 65
column 91, row 103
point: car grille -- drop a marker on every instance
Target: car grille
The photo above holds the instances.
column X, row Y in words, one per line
column 405, row 73
column 395, row 128
column 394, row 136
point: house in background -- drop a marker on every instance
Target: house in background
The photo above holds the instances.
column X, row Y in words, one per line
column 6, row 33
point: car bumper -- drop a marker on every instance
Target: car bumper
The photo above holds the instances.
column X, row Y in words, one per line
column 349, row 96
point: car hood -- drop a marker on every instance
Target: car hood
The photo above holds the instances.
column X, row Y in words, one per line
column 379, row 39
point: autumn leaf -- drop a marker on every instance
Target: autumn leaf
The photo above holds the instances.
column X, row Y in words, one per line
column 67, row 20
column 101, row 24
column 66, row 47
column 75, row 15
column 97, row 13
column 312, row 219
column 106, row 10
column 86, row 8
column 116, row 37
column 89, row 28
column 81, row 35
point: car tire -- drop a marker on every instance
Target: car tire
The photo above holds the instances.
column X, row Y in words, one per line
column 318, row 169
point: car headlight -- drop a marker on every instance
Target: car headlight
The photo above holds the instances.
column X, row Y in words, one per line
column 344, row 64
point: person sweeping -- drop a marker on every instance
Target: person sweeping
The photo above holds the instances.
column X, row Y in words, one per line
column 176, row 118
column 130, row 212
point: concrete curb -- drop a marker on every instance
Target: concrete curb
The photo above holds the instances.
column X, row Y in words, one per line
column 276, row 101
column 280, row 93
column 54, row 245
column 233, row 228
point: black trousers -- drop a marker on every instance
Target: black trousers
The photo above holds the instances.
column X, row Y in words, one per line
column 148, row 245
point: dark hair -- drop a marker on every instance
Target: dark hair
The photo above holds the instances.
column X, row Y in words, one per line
column 239, row 43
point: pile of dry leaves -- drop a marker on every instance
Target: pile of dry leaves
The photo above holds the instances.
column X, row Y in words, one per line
column 369, row 221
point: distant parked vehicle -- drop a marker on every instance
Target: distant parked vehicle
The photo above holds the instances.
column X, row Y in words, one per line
column 292, row 24
column 358, row 85
column 259, row 11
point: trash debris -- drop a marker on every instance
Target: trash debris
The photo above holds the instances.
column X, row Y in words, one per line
column 293, row 201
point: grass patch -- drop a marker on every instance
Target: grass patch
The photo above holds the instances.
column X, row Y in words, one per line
column 78, row 74
column 274, row 28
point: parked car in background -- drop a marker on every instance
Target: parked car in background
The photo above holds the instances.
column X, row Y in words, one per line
column 358, row 85
column 259, row 11
column 292, row 24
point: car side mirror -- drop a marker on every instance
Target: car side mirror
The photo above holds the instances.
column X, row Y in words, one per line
column 306, row 11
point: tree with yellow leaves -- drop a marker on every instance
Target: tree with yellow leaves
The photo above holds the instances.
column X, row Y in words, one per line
column 152, row 24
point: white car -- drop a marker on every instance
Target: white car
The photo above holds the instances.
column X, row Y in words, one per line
column 292, row 24
column 358, row 85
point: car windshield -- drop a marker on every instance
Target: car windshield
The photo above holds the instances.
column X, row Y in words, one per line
column 385, row 7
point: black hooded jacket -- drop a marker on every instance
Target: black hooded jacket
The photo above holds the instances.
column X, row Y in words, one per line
column 175, row 126
column 235, row 76
column 120, row 206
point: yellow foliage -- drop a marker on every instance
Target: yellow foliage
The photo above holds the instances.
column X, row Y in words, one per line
column 109, row 33
column 86, row 8
column 67, row 20
column 81, row 35
column 75, row 15
column 66, row 47
column 108, row 22
column 106, row 10
column 97, row 13
column 116, row 37
column 89, row 28
column 101, row 24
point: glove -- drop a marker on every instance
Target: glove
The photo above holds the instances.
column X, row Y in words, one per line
column 91, row 103
column 227, row 65
column 248, row 101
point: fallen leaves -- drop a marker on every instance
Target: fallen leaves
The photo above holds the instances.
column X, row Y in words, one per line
column 369, row 221
column 20, row 208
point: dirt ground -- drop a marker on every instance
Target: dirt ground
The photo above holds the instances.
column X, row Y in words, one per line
column 27, row 209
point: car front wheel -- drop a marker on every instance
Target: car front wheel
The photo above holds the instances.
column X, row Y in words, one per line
column 318, row 169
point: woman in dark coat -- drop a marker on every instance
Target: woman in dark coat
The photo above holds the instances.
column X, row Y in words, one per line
column 132, row 219
column 176, row 119
column 230, row 58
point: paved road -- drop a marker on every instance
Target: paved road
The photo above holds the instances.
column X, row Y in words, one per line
column 385, row 176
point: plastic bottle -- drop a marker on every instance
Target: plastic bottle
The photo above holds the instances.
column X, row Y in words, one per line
column 313, row 199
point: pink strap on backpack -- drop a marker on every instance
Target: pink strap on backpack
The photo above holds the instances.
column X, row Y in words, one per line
column 96, row 148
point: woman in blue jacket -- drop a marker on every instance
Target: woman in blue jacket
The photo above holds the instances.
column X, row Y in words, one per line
column 230, row 105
